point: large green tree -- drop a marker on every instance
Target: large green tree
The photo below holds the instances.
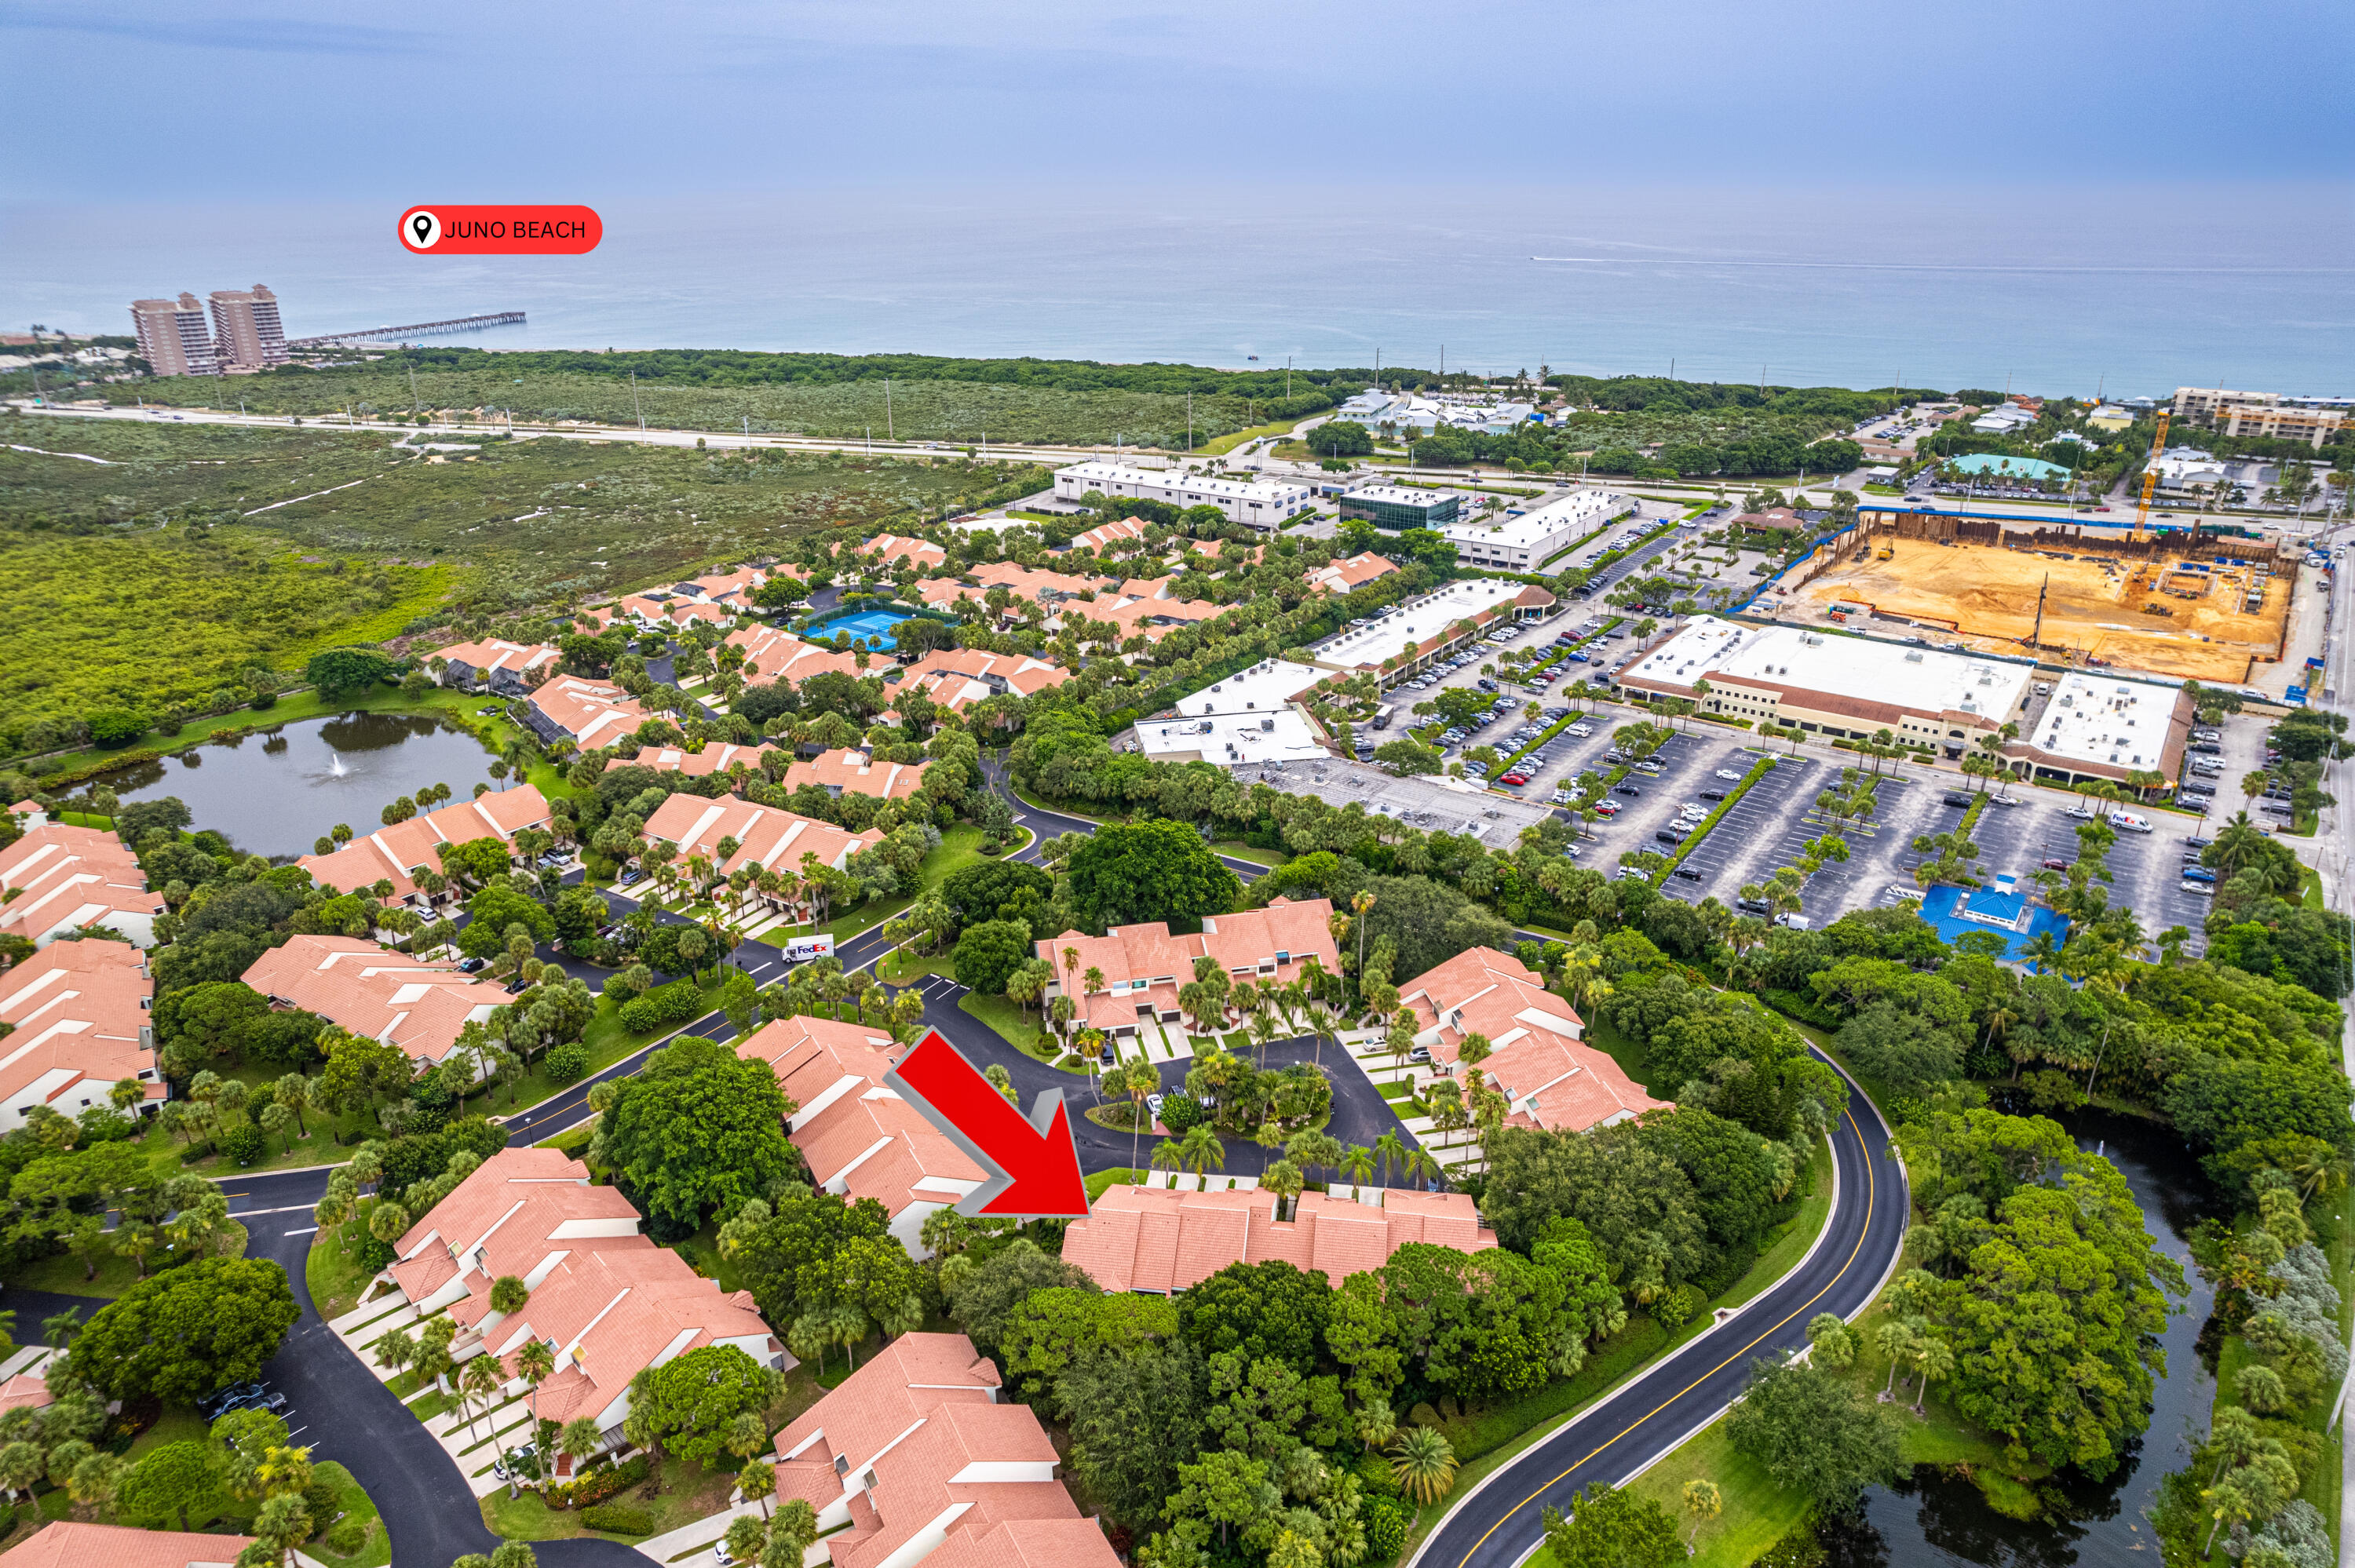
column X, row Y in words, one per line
column 1610, row 1528
column 701, row 1128
column 1134, row 1414
column 789, row 1261
column 989, row 954
column 173, row 1480
column 692, row 1400
column 1135, row 873
column 187, row 1332
column 343, row 671
column 1054, row 1327
column 1815, row 1433
column 1268, row 1309
column 492, row 911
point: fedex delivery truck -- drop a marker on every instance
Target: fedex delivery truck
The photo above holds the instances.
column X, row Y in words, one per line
column 801, row 949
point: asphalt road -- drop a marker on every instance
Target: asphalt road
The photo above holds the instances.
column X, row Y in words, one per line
column 1501, row 1521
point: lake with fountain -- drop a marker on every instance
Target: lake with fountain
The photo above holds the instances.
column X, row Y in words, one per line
column 276, row 792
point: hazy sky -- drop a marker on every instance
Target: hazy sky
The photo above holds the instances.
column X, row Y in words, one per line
column 246, row 100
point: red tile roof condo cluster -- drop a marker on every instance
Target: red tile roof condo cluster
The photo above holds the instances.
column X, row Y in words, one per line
column 1551, row 1077
column 77, row 1025
column 508, row 668
column 1356, row 572
column 589, row 713
column 374, row 991
column 1158, row 1239
column 860, row 1139
column 1117, row 531
column 859, row 773
column 609, row 1301
column 916, row 1456
column 715, row 757
column 890, row 549
column 60, row 877
column 773, row 840
column 68, row 1543
column 771, row 656
column 957, row 680
column 396, row 853
column 1144, row 966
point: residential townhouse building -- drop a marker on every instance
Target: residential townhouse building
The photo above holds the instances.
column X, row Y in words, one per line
column 1342, row 576
column 763, row 836
column 887, row 550
column 589, row 714
column 1119, row 532
column 914, row 1459
column 1160, row 1241
column 957, row 680
column 418, row 1004
column 771, row 655
column 400, row 852
column 509, row 668
column 77, row 1023
column 715, row 757
column 60, row 877
column 860, row 1139
column 1144, row 966
column 859, row 773
column 606, row 1299
column 1537, row 1056
column 69, row 1543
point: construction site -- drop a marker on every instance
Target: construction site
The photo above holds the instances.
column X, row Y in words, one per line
column 2205, row 609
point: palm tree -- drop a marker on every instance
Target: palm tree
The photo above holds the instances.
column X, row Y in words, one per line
column 1423, row 1463
column 1136, row 1079
column 1357, row 1164
column 1200, row 1151
column 1390, row 1151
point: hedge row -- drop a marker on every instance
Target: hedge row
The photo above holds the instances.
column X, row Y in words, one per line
column 1758, row 769
column 596, row 1485
column 680, row 1001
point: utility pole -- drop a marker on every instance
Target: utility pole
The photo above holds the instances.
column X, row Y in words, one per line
column 1189, row 424
column 413, row 388
column 1288, row 378
column 888, row 433
column 635, row 408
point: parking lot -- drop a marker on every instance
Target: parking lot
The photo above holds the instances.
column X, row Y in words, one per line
column 1769, row 827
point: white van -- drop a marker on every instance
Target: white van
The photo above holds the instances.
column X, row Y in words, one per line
column 801, row 949
column 2130, row 822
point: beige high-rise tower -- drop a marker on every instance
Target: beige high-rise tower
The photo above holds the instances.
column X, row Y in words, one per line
column 246, row 332
column 171, row 336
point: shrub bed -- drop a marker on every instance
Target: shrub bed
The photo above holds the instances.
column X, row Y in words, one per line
column 619, row 1517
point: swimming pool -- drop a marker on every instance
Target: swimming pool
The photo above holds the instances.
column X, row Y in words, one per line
column 2002, row 911
column 872, row 625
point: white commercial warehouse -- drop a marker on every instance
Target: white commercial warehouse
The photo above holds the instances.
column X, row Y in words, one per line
column 1247, row 717
column 1830, row 684
column 1523, row 542
column 1419, row 630
column 1255, row 503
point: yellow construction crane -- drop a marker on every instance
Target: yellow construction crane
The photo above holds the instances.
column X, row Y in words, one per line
column 2150, row 478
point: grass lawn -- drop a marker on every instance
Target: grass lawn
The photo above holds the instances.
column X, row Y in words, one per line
column 332, row 1273
column 688, row 1492
column 960, row 847
column 1238, row 850
column 1017, row 1026
column 2310, row 885
column 608, row 1042
column 1104, row 1180
column 573, row 1141
column 1234, row 439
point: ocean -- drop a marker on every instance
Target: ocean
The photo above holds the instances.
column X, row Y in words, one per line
column 2051, row 290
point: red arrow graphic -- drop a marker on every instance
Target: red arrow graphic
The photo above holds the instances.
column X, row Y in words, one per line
column 1034, row 1161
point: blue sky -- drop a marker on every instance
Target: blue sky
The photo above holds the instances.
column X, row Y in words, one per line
column 267, row 99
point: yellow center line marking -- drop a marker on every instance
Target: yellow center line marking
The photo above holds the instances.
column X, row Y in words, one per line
column 1869, row 1184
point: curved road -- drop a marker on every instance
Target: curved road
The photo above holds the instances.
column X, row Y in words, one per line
column 354, row 1419
column 1502, row 1521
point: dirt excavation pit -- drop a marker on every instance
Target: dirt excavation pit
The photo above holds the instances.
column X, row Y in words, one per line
column 1987, row 595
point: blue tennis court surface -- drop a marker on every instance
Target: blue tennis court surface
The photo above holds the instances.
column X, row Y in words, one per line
column 2000, row 910
column 874, row 625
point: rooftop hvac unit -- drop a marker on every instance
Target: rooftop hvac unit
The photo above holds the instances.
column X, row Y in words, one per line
column 1914, row 657
column 1267, row 726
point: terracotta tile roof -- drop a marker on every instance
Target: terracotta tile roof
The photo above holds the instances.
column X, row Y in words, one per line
column 517, row 1208
column 1553, row 1079
column 1146, row 963
column 890, row 548
column 393, row 854
column 1028, row 1543
column 80, row 1023
column 1118, row 529
column 920, row 1419
column 774, row 840
column 65, row 1543
column 26, row 1390
column 713, row 758
column 374, row 991
column 958, row 680
column 71, row 876
column 860, row 1139
column 594, row 712
column 1160, row 1240
column 858, row 773
column 484, row 657
column 1354, row 573
column 770, row 655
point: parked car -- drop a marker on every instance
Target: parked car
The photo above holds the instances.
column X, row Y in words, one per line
column 1687, row 872
column 1712, row 794
column 1751, row 905
column 1954, row 798
column 1729, row 774
column 2057, row 865
column 1625, row 789
column 473, row 965
column 220, row 1399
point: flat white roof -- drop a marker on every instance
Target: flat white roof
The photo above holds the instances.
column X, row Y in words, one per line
column 1922, row 680
column 1585, row 508
column 1401, row 494
column 1121, row 473
column 1267, row 686
column 2102, row 718
column 1231, row 740
column 1416, row 621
